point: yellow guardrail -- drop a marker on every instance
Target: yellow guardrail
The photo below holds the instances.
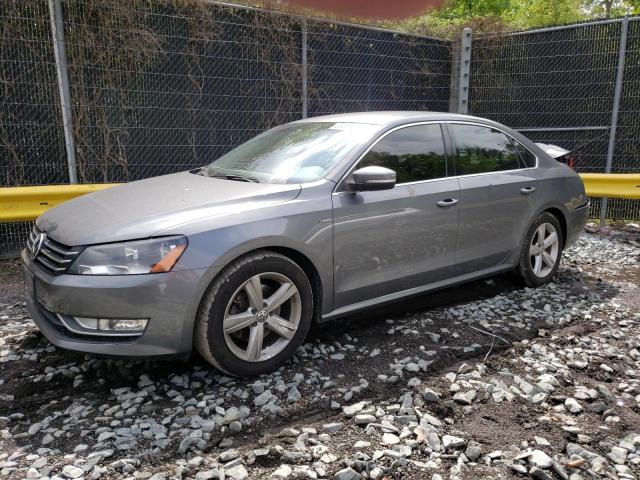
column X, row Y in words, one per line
column 19, row 204
column 613, row 185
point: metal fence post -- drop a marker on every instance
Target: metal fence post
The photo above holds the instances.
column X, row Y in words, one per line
column 465, row 70
column 57, row 34
column 304, row 68
column 614, row 112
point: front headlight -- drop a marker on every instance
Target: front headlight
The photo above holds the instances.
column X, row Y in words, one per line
column 130, row 258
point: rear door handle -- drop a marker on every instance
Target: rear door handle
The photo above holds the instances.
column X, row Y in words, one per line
column 447, row 202
column 527, row 190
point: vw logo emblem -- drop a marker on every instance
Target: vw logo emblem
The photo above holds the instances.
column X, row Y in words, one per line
column 262, row 315
column 37, row 245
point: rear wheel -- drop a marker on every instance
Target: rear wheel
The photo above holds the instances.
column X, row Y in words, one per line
column 255, row 314
column 541, row 251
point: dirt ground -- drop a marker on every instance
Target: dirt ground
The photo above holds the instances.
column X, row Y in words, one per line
column 66, row 413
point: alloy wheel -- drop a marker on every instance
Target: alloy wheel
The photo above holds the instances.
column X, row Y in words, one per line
column 543, row 251
column 262, row 317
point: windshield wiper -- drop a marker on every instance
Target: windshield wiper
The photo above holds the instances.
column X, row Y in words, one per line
column 240, row 178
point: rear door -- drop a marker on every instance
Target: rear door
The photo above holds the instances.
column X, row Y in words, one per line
column 497, row 194
column 393, row 240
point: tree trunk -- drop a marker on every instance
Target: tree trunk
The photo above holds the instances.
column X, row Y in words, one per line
column 607, row 8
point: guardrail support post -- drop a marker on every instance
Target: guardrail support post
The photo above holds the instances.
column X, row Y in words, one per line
column 57, row 34
column 304, row 68
column 464, row 73
column 614, row 112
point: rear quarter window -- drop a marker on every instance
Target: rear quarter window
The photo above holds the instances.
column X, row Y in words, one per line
column 527, row 158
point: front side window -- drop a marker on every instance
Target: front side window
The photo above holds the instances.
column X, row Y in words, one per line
column 483, row 149
column 415, row 153
column 293, row 153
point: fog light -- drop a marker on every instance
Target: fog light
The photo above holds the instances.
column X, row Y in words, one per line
column 122, row 324
column 112, row 325
column 88, row 323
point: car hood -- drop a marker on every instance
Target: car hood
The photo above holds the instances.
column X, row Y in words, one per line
column 145, row 208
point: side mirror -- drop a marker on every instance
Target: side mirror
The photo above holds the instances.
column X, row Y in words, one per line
column 372, row 178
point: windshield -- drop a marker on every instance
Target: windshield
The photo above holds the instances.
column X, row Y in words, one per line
column 293, row 153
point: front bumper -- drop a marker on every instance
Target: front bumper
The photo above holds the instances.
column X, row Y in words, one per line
column 169, row 300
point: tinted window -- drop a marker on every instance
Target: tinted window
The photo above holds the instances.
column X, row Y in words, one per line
column 483, row 149
column 414, row 153
column 528, row 159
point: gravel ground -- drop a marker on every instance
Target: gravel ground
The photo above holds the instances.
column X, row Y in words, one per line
column 486, row 380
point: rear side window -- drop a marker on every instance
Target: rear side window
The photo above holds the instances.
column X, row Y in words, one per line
column 483, row 149
column 527, row 158
column 415, row 153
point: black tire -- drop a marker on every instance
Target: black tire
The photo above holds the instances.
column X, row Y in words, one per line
column 209, row 335
column 525, row 269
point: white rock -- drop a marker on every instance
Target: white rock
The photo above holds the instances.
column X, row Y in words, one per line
column 364, row 419
column 543, row 442
column 539, row 459
column 618, row 455
column 347, row 474
column 237, row 472
column 450, row 442
column 208, row 474
column 283, row 471
column 33, row 473
column 71, row 471
column 390, row 439
column 354, row 409
column 572, row 405
column 361, row 444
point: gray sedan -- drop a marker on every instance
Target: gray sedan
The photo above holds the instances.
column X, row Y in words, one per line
column 306, row 222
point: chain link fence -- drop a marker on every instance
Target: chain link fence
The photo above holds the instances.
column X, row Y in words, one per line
column 356, row 69
column 557, row 86
column 160, row 87
column 32, row 149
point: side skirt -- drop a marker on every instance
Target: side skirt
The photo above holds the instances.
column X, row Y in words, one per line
column 374, row 302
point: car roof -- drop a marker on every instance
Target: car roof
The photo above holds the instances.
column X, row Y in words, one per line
column 390, row 118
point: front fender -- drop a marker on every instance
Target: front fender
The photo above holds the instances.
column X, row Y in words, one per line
column 310, row 235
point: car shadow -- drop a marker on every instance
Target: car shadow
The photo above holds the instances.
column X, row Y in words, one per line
column 450, row 297
column 421, row 303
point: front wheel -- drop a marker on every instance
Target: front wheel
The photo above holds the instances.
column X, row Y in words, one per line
column 255, row 314
column 541, row 251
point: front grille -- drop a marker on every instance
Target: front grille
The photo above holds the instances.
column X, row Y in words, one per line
column 52, row 256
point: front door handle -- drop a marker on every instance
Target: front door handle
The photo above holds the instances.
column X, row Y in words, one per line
column 447, row 202
column 527, row 190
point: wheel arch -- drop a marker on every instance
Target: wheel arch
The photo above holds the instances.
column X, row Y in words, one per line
column 562, row 220
column 321, row 280
column 554, row 209
column 309, row 269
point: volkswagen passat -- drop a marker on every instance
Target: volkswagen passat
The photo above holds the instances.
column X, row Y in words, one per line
column 306, row 222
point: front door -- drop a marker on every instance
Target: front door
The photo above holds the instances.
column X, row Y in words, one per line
column 392, row 240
